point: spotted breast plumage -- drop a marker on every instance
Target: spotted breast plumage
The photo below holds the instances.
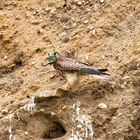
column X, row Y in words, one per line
column 70, row 65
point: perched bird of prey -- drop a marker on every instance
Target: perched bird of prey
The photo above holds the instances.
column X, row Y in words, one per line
column 70, row 67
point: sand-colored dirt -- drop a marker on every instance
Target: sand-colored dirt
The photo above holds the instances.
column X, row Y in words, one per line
column 104, row 34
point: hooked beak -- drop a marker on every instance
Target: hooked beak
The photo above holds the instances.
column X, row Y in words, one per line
column 45, row 64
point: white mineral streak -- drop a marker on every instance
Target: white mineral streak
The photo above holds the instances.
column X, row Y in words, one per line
column 30, row 107
column 82, row 129
column 9, row 117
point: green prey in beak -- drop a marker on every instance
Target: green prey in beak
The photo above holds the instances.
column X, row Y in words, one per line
column 51, row 58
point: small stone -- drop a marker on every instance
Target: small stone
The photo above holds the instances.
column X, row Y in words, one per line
column 135, row 111
column 42, row 110
column 26, row 133
column 125, row 83
column 52, row 11
column 22, row 71
column 97, row 18
column 41, row 31
column 79, row 3
column 79, row 126
column 74, row 24
column 18, row 18
column 66, row 27
column 33, row 63
column 90, row 27
column 102, row 106
column 93, row 32
column 48, row 9
column 126, row 77
column 87, row 58
column 64, row 107
column 36, row 22
column 86, row 21
column 53, row 114
column 5, row 57
column 119, row 114
column 35, row 13
column 4, row 112
column 88, row 9
column 122, row 86
column 73, row 7
column 102, row 1
column 138, row 65
column 103, row 57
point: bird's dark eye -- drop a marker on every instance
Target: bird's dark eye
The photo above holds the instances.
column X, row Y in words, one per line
column 55, row 53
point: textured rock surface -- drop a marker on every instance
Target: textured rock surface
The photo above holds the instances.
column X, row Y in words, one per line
column 106, row 32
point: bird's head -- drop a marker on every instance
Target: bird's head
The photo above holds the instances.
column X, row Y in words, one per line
column 52, row 58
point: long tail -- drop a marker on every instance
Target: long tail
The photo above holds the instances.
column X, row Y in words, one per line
column 103, row 71
column 94, row 71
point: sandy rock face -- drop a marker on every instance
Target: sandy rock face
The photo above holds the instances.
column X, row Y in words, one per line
column 33, row 103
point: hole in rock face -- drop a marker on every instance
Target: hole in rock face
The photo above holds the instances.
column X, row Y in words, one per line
column 40, row 126
column 37, row 125
column 56, row 130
